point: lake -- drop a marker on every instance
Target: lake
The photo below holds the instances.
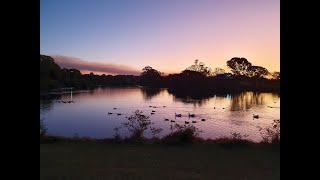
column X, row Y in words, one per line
column 224, row 114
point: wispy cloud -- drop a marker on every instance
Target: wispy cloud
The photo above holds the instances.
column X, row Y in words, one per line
column 88, row 66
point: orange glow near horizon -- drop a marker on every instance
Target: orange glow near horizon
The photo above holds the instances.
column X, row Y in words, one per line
column 165, row 35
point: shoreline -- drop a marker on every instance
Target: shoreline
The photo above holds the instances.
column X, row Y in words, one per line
column 45, row 139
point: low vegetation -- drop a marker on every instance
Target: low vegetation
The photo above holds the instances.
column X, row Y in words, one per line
column 181, row 134
column 272, row 133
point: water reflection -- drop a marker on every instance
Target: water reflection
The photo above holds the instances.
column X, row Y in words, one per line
column 190, row 100
column 149, row 93
column 224, row 113
column 245, row 100
column 196, row 98
column 239, row 101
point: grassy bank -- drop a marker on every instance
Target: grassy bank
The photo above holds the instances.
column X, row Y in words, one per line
column 99, row 160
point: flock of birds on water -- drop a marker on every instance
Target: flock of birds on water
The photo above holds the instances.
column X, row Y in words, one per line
column 176, row 115
column 255, row 116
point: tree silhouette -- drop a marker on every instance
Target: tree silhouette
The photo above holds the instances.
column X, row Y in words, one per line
column 52, row 76
column 150, row 77
column 200, row 67
column 218, row 71
column 239, row 66
column 257, row 71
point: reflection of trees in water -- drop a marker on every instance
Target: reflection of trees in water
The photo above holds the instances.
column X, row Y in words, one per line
column 45, row 105
column 197, row 98
column 189, row 100
column 149, row 93
column 275, row 95
column 46, row 102
column 187, row 96
column 246, row 100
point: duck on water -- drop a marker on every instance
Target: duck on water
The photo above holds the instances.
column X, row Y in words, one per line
column 177, row 115
column 191, row 115
column 255, row 116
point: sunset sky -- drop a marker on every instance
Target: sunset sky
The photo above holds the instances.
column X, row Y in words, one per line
column 123, row 36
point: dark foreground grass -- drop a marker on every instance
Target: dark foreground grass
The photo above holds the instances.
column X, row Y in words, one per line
column 97, row 160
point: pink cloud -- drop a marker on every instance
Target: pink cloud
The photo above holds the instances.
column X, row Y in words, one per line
column 87, row 66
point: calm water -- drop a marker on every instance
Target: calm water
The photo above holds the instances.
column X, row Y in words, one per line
column 224, row 114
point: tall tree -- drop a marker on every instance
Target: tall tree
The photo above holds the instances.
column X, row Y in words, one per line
column 239, row 65
column 50, row 73
column 150, row 76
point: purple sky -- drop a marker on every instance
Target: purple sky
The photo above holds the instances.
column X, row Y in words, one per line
column 123, row 36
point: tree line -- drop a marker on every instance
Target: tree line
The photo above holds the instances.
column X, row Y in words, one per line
column 52, row 76
column 197, row 78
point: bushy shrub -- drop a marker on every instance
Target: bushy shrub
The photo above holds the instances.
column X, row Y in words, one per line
column 137, row 124
column 182, row 134
column 271, row 134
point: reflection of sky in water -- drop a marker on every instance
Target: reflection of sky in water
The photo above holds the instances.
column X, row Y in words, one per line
column 224, row 114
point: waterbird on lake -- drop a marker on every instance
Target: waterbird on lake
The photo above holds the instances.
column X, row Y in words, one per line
column 119, row 114
column 223, row 108
column 194, row 121
column 164, row 106
column 109, row 112
column 166, row 119
column 203, row 119
column 214, row 107
column 114, row 108
column 150, row 106
column 177, row 115
column 191, row 115
column 186, row 122
column 172, row 121
column 255, row 116
column 152, row 113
